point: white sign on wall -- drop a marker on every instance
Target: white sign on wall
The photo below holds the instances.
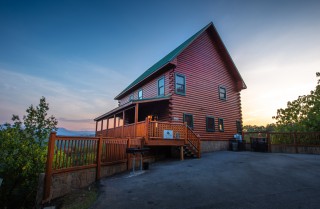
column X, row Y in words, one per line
column 168, row 134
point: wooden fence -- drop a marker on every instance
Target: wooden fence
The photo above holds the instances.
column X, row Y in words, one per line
column 67, row 153
column 294, row 140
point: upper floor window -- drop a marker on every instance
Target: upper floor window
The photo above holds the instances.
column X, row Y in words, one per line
column 210, row 124
column 180, row 84
column 189, row 119
column 161, row 87
column 221, row 125
column 131, row 98
column 222, row 93
column 140, row 95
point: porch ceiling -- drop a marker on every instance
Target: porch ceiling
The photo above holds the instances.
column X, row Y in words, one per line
column 130, row 105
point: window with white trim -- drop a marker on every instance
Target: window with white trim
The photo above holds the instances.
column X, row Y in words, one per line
column 180, row 86
column 222, row 93
column 140, row 94
column 161, row 87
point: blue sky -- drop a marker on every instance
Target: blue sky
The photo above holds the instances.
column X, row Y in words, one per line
column 81, row 54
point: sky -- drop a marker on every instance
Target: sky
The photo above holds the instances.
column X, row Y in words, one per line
column 81, row 54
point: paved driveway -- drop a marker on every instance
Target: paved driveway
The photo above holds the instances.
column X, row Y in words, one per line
column 219, row 180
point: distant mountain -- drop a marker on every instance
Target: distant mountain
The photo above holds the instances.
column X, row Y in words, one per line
column 66, row 132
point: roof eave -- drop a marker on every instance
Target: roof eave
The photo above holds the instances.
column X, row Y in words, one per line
column 230, row 60
column 170, row 60
column 125, row 92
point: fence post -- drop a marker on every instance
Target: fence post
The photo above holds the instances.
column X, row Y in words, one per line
column 48, row 174
column 269, row 141
column 128, row 155
column 99, row 153
column 295, row 141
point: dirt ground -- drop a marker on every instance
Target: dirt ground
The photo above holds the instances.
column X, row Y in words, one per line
column 78, row 199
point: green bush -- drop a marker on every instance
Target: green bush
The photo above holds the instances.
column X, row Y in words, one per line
column 23, row 150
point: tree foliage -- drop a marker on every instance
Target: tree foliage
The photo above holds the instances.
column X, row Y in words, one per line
column 302, row 114
column 255, row 128
column 23, row 149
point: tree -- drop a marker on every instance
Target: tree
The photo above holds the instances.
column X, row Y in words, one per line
column 23, row 155
column 302, row 114
column 254, row 128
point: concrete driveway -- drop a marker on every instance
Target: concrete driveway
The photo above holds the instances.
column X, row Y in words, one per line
column 219, row 180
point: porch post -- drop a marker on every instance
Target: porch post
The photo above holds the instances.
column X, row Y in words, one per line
column 101, row 127
column 96, row 126
column 136, row 115
column 123, row 115
column 107, row 126
column 147, row 129
column 114, row 125
column 181, row 153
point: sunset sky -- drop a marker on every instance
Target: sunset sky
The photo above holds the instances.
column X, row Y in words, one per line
column 81, row 54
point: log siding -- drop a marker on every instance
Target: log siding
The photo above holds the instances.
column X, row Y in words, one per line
column 205, row 71
column 205, row 68
column 150, row 89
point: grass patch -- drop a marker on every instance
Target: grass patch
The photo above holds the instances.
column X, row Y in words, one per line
column 78, row 199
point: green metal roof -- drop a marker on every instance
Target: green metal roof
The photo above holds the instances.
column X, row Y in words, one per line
column 164, row 61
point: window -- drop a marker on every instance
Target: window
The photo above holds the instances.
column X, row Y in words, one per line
column 220, row 125
column 131, row 98
column 239, row 127
column 222, row 93
column 210, row 124
column 161, row 87
column 140, row 95
column 180, row 84
column 189, row 119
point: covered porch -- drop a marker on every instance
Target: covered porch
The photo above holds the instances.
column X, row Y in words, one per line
column 150, row 121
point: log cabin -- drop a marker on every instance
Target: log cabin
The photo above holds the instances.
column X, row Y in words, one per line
column 189, row 99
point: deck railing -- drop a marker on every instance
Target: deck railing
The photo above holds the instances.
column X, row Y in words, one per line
column 156, row 130
column 128, row 130
column 67, row 153
column 194, row 141
column 131, row 130
column 141, row 129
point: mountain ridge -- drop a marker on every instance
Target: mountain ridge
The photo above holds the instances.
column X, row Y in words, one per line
column 66, row 132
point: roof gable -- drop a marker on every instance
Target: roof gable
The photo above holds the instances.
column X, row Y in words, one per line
column 164, row 61
column 173, row 54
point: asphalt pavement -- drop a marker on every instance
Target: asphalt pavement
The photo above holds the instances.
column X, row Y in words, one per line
column 218, row 180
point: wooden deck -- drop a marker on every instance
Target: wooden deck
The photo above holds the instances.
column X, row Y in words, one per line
column 161, row 142
column 153, row 133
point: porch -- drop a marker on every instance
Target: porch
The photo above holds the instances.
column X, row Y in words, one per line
column 158, row 133
column 148, row 119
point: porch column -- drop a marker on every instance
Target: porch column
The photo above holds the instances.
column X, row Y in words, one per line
column 96, row 126
column 107, row 126
column 181, row 153
column 123, row 115
column 101, row 127
column 114, row 126
column 136, row 115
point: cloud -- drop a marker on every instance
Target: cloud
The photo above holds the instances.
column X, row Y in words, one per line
column 75, row 99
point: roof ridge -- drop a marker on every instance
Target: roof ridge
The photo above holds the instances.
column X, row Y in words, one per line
column 163, row 61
